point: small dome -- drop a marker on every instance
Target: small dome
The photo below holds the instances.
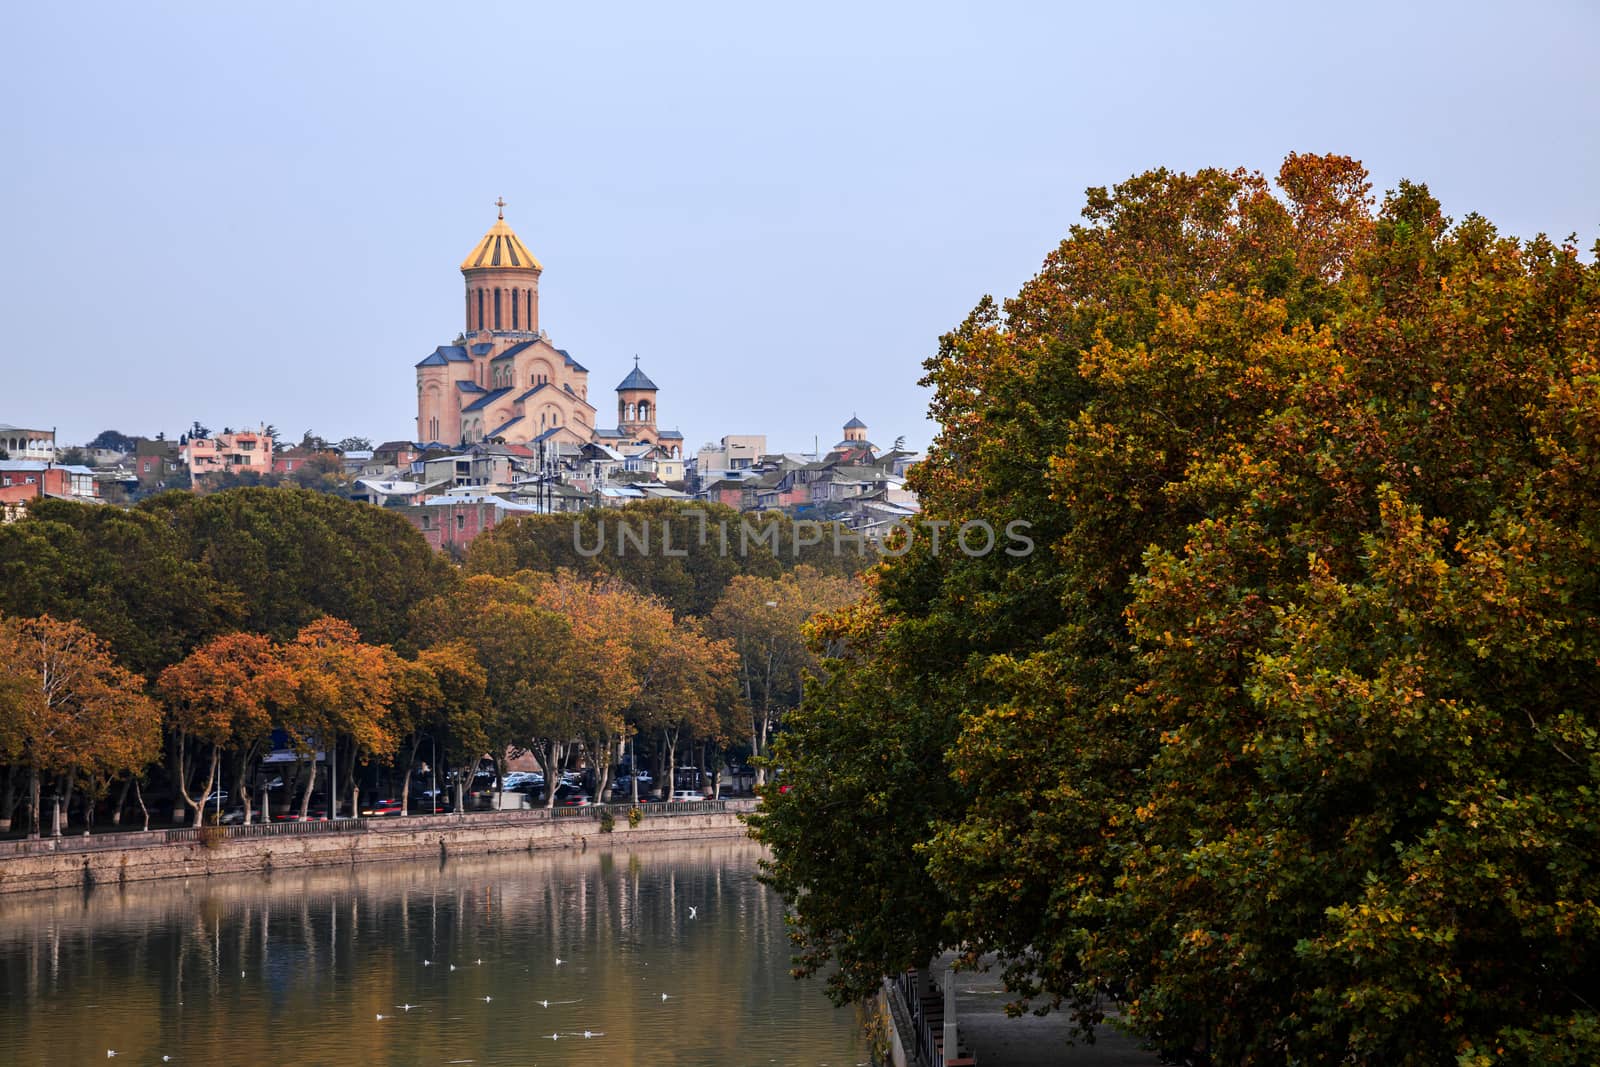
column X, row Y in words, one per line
column 637, row 379
column 500, row 247
column 855, row 424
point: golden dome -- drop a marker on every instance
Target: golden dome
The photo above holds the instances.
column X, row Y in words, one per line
column 500, row 247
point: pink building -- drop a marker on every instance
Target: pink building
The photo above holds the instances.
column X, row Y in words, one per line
column 244, row 452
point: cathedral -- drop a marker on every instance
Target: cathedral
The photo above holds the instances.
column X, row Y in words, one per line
column 502, row 379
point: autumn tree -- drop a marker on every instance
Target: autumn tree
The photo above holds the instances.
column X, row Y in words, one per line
column 69, row 709
column 222, row 696
column 521, row 646
column 687, row 686
column 762, row 619
column 343, row 692
column 442, row 696
column 1281, row 735
column 614, row 633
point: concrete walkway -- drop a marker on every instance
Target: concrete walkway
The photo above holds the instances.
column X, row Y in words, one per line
column 1032, row 1041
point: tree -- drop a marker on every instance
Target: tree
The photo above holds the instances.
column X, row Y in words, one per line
column 125, row 574
column 762, row 620
column 521, row 646
column 73, row 457
column 687, row 685
column 293, row 556
column 198, row 432
column 442, row 696
column 223, row 695
column 69, row 709
column 685, row 554
column 355, row 444
column 1278, row 737
column 343, row 694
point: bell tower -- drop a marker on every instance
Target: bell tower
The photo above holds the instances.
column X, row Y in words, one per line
column 636, row 403
column 502, row 282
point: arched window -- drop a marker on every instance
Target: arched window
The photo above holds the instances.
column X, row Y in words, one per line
column 497, row 309
column 644, row 411
column 479, row 326
column 516, row 311
column 530, row 308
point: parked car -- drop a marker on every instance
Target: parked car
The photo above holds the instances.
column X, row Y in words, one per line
column 423, row 806
column 680, row 796
column 232, row 817
column 313, row 815
column 380, row 808
column 575, row 800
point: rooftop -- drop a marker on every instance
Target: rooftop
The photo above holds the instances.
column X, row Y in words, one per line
column 500, row 247
column 637, row 379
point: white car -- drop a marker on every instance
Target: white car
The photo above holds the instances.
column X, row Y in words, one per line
column 681, row 795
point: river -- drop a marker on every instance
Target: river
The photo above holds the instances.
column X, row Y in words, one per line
column 671, row 954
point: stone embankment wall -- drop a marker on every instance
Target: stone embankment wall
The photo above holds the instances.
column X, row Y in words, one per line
column 123, row 858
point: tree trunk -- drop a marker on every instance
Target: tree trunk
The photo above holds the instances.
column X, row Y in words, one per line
column 138, row 795
column 33, row 802
column 122, row 801
column 347, row 786
column 91, row 796
column 180, row 774
column 244, row 779
column 633, row 762
column 8, row 800
column 549, row 757
column 66, row 800
column 405, row 782
column 311, row 781
column 355, row 783
column 671, row 744
column 210, row 787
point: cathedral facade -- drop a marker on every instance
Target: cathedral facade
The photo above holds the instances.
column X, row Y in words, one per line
column 503, row 380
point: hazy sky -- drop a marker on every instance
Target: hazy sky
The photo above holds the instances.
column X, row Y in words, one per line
column 247, row 213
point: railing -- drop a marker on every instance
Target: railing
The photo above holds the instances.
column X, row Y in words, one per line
column 928, row 1015
column 371, row 824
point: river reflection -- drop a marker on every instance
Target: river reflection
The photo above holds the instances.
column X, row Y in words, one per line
column 297, row 967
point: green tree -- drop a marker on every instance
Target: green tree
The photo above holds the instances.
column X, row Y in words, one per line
column 125, row 574
column 684, row 554
column 113, row 440
column 1283, row 735
column 293, row 556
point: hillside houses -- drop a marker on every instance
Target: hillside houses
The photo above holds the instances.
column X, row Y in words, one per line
column 852, row 483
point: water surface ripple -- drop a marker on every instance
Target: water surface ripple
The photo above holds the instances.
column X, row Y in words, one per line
column 669, row 954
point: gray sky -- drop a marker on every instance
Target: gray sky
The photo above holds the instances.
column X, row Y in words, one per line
column 241, row 213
